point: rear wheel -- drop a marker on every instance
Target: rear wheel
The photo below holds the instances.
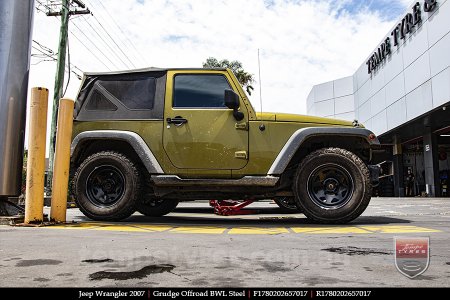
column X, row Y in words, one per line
column 332, row 186
column 287, row 204
column 107, row 186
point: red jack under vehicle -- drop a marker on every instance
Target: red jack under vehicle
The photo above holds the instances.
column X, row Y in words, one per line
column 231, row 207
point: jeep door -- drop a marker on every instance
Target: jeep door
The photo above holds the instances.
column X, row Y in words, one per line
column 200, row 132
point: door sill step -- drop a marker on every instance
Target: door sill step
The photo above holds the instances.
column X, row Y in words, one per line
column 173, row 180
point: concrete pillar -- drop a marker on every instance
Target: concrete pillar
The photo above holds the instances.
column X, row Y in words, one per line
column 431, row 163
column 399, row 188
column 16, row 20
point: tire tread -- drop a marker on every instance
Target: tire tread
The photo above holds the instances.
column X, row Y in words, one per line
column 130, row 207
column 366, row 178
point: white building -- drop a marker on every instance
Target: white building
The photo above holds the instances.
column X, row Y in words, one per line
column 402, row 93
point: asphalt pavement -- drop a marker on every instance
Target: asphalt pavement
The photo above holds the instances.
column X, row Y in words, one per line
column 192, row 247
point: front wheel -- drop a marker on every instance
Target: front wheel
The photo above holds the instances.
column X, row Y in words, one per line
column 332, row 186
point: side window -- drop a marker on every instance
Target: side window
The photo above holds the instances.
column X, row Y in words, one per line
column 134, row 93
column 124, row 96
column 197, row 91
column 99, row 102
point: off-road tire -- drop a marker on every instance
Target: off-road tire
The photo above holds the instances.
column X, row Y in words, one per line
column 353, row 166
column 126, row 204
column 156, row 207
column 286, row 208
column 149, row 205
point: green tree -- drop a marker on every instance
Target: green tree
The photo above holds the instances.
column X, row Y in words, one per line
column 245, row 79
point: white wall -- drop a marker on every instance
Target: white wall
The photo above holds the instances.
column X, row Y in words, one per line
column 413, row 80
column 333, row 99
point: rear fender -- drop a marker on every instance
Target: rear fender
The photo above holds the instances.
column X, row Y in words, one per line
column 133, row 139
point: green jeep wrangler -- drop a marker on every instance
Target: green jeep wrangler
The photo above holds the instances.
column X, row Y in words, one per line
column 146, row 139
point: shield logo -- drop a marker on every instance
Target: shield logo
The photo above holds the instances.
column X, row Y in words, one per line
column 412, row 255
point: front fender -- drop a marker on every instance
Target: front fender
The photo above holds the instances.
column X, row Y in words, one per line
column 301, row 135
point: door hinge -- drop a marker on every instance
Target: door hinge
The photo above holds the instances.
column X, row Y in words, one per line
column 241, row 126
column 241, row 155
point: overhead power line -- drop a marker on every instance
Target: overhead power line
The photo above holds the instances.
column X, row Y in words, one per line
column 112, row 39
column 99, row 50
column 108, row 44
column 89, row 50
column 45, row 52
column 43, row 8
column 129, row 43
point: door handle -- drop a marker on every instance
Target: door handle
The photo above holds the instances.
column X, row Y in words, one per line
column 177, row 121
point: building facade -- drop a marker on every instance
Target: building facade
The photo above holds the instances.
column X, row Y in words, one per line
column 402, row 93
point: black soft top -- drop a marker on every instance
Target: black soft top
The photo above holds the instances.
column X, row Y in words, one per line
column 108, row 91
column 151, row 69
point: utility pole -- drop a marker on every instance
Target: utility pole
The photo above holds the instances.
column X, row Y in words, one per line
column 68, row 8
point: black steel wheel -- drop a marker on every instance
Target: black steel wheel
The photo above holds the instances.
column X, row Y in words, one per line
column 156, row 207
column 332, row 186
column 287, row 204
column 107, row 186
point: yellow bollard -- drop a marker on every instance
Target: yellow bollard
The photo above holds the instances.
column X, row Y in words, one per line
column 61, row 167
column 34, row 201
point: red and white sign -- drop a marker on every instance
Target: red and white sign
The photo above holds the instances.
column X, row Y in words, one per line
column 412, row 255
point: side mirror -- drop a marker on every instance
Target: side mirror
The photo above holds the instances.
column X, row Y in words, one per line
column 232, row 102
column 231, row 99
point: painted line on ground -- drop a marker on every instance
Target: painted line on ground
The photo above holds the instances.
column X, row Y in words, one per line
column 242, row 230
